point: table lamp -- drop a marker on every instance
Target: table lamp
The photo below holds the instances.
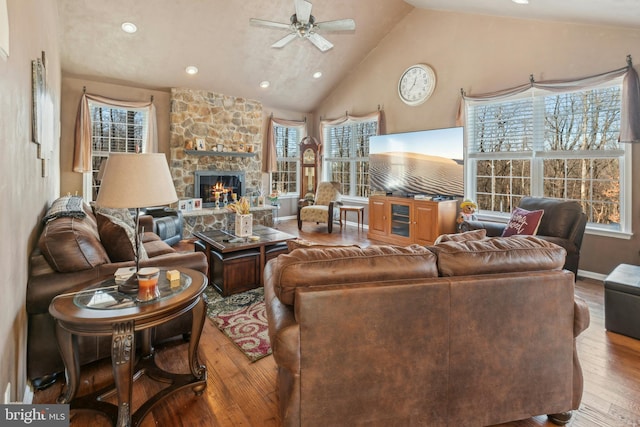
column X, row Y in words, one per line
column 136, row 181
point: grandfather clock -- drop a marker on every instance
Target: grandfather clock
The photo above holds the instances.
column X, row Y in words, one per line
column 309, row 148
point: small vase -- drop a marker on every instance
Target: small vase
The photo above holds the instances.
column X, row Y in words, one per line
column 244, row 225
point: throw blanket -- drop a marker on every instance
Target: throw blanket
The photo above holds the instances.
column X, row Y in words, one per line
column 67, row 206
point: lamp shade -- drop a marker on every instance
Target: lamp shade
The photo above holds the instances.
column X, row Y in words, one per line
column 136, row 181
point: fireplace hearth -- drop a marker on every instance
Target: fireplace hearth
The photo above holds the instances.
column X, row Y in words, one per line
column 208, row 182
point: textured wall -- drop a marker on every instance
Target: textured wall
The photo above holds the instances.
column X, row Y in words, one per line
column 235, row 123
column 25, row 193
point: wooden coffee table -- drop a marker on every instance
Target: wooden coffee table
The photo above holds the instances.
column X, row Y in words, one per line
column 101, row 310
column 236, row 266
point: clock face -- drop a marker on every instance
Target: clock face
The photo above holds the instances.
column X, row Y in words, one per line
column 416, row 84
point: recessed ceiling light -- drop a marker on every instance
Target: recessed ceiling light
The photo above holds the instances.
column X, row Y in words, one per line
column 521, row 1
column 264, row 84
column 317, row 74
column 129, row 27
column 191, row 69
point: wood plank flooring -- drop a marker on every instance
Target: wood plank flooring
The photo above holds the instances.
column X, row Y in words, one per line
column 240, row 393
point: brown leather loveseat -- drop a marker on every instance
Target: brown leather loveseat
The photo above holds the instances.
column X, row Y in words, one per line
column 469, row 333
column 73, row 252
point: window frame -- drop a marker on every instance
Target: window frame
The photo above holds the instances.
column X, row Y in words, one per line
column 538, row 154
column 353, row 160
column 90, row 186
column 296, row 159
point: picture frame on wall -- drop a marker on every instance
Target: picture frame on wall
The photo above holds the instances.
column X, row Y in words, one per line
column 200, row 145
column 39, row 90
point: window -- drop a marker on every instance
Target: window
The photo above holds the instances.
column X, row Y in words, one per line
column 347, row 155
column 558, row 145
column 287, row 140
column 114, row 130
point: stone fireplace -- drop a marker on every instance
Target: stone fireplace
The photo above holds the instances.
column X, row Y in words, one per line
column 209, row 182
column 230, row 129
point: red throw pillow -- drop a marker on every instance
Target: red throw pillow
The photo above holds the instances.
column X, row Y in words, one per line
column 523, row 222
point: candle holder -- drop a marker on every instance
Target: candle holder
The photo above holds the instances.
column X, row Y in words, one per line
column 225, row 199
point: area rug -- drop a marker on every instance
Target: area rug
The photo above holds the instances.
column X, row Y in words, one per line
column 242, row 317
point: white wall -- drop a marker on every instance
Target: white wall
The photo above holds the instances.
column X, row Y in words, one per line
column 24, row 193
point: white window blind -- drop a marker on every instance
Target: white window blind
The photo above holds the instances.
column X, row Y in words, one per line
column 287, row 140
column 558, row 145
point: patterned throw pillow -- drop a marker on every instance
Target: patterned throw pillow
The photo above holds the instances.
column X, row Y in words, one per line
column 523, row 222
column 117, row 234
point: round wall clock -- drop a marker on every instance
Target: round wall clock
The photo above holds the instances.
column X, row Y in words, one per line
column 416, row 84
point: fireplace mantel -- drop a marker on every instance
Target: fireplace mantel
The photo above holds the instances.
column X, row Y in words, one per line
column 219, row 153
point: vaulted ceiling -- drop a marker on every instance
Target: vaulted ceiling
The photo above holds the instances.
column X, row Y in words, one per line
column 233, row 57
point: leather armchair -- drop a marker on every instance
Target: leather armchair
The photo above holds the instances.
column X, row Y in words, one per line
column 563, row 223
column 167, row 223
column 324, row 209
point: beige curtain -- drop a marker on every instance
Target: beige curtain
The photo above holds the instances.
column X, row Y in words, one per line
column 269, row 156
column 377, row 115
column 83, row 130
column 630, row 111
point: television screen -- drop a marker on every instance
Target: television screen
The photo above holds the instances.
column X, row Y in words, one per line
column 429, row 163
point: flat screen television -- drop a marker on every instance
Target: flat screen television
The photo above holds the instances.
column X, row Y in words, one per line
column 429, row 163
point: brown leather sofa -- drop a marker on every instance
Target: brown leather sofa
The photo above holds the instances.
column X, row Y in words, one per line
column 562, row 223
column 469, row 333
column 71, row 255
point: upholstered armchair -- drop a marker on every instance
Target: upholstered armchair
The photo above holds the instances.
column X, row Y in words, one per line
column 324, row 208
column 167, row 223
column 562, row 223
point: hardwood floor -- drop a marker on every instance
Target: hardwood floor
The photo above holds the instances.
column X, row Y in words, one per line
column 240, row 393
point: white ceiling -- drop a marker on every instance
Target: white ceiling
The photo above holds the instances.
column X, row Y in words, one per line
column 234, row 57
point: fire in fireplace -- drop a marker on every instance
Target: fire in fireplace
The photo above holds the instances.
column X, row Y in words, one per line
column 210, row 182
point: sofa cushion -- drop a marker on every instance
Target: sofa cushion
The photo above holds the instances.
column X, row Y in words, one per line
column 462, row 237
column 498, row 255
column 523, row 222
column 72, row 244
column 117, row 233
column 306, row 244
column 311, row 267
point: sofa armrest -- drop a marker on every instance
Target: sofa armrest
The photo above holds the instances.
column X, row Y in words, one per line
column 581, row 316
column 494, row 229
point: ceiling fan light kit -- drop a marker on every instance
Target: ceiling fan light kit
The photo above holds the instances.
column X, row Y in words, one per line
column 303, row 25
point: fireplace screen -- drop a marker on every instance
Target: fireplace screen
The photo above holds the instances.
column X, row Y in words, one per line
column 210, row 183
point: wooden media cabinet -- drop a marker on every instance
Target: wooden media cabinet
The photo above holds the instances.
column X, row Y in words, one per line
column 404, row 221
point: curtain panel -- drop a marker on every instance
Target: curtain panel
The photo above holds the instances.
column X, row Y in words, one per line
column 84, row 133
column 269, row 155
column 630, row 110
column 377, row 115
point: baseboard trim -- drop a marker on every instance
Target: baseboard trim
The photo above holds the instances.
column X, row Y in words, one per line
column 591, row 275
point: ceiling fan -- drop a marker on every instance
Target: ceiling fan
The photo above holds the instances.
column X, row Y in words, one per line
column 303, row 24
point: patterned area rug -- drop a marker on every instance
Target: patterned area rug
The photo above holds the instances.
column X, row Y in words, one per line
column 242, row 317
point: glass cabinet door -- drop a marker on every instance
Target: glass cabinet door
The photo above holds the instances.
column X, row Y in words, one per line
column 400, row 220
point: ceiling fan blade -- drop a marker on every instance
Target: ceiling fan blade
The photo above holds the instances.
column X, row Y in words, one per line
column 285, row 40
column 338, row 25
column 320, row 42
column 271, row 24
column 303, row 10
